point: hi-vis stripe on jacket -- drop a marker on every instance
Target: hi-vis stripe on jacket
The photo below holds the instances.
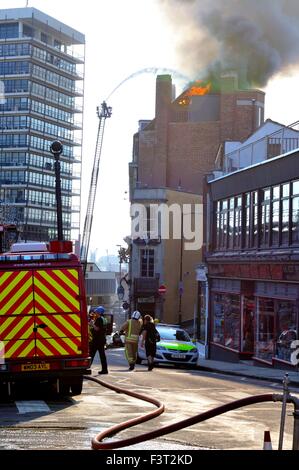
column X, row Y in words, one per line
column 40, row 313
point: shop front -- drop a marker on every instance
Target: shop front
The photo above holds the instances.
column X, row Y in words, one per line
column 277, row 322
column 225, row 326
column 253, row 320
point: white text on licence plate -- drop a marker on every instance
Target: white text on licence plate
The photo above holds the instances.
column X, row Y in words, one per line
column 32, row 367
column 178, row 356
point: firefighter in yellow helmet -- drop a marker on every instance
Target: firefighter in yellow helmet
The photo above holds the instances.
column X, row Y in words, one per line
column 131, row 328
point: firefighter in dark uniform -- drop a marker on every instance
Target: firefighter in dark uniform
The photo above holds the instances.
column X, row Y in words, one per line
column 98, row 340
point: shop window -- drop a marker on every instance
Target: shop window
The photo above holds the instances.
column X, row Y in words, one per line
column 226, row 320
column 218, row 319
column 265, row 330
column 286, row 329
column 232, row 321
column 248, row 325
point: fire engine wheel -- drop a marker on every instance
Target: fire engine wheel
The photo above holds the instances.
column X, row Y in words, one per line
column 64, row 388
column 76, row 386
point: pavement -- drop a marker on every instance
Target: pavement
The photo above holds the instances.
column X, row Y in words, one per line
column 247, row 369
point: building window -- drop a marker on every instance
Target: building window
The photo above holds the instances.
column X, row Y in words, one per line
column 238, row 224
column 247, row 243
column 58, row 45
column 44, row 38
column 265, row 217
column 147, row 262
column 275, row 215
column 231, row 219
column 9, row 30
column 285, row 214
column 28, row 32
column 295, row 213
column 223, row 224
column 218, row 232
column 255, row 218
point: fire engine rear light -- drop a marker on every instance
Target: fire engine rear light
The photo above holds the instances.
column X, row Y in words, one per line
column 77, row 363
column 3, row 367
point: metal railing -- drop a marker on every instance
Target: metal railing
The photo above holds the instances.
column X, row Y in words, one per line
column 269, row 146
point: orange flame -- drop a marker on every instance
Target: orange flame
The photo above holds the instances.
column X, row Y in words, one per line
column 197, row 89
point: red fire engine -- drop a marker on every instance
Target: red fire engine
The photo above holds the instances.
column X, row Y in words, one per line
column 43, row 311
column 43, row 316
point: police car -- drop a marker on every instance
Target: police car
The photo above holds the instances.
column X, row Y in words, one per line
column 175, row 347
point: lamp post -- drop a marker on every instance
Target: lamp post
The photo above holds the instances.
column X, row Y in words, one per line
column 56, row 149
column 120, row 289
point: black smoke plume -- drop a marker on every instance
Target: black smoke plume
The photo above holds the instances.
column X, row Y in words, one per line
column 256, row 38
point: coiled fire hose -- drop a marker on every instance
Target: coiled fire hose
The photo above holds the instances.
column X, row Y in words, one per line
column 97, row 443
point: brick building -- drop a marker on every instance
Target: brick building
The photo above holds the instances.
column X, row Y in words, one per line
column 173, row 152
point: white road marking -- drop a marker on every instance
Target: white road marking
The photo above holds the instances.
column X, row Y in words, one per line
column 37, row 406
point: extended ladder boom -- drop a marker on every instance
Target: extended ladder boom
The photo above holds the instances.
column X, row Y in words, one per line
column 103, row 113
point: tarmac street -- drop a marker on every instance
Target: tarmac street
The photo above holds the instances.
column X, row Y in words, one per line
column 35, row 419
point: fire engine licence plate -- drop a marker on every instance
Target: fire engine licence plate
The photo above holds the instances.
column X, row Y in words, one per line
column 33, row 367
column 178, row 356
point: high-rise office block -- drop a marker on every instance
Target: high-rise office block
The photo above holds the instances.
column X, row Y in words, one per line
column 41, row 100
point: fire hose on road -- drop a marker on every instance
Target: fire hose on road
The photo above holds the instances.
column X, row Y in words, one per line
column 97, row 443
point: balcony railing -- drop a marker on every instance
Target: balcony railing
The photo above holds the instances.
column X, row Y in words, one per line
column 269, row 146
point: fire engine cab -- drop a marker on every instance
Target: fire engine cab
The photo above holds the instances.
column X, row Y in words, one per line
column 43, row 316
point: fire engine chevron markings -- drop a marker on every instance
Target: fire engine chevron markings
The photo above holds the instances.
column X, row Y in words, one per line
column 58, row 325
column 51, row 299
column 57, row 346
column 68, row 289
column 17, row 328
column 69, row 278
column 55, row 294
column 20, row 348
column 16, row 295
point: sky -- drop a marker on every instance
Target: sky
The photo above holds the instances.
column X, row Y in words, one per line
column 124, row 37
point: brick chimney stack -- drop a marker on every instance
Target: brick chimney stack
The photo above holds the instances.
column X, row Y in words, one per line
column 164, row 92
column 241, row 111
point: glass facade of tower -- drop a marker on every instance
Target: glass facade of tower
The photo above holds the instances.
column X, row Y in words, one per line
column 41, row 100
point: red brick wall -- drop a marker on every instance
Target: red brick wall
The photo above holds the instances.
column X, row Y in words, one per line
column 180, row 154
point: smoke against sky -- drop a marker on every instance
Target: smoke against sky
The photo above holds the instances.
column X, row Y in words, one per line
column 257, row 38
